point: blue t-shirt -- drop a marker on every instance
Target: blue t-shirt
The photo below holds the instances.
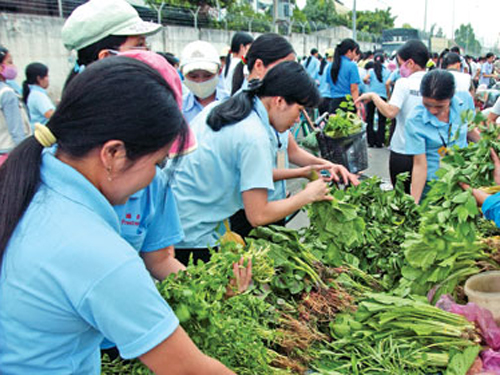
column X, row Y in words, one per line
column 38, row 104
column 68, row 279
column 208, row 183
column 149, row 220
column 324, row 86
column 425, row 134
column 375, row 85
column 491, row 208
column 313, row 67
column 348, row 75
column 191, row 107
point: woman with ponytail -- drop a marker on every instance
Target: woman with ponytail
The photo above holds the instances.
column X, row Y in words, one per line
column 233, row 165
column 344, row 75
column 67, row 277
column 35, row 96
column 240, row 43
column 376, row 80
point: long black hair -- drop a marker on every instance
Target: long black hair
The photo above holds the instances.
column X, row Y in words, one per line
column 239, row 39
column 378, row 66
column 94, row 109
column 415, row 50
column 341, row 49
column 89, row 54
column 438, row 84
column 287, row 79
column 268, row 48
column 33, row 71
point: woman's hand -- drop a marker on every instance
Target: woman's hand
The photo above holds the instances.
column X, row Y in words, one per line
column 496, row 162
column 479, row 195
column 364, row 98
column 337, row 170
column 318, row 191
column 242, row 278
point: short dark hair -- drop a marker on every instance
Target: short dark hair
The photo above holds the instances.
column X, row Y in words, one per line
column 489, row 54
column 314, row 51
column 3, row 53
column 438, row 84
column 415, row 50
column 455, row 49
column 451, row 58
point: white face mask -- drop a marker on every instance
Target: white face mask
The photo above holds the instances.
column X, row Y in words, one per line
column 202, row 90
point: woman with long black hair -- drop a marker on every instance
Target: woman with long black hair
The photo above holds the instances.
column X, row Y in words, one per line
column 35, row 96
column 376, row 80
column 240, row 43
column 68, row 279
column 233, row 165
column 344, row 75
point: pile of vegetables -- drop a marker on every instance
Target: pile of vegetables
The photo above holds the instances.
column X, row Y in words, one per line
column 344, row 122
column 350, row 293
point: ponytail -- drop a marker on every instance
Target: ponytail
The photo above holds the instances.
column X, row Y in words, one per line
column 308, row 61
column 322, row 66
column 228, row 62
column 341, row 49
column 287, row 79
column 268, row 48
column 378, row 66
column 239, row 39
column 33, row 71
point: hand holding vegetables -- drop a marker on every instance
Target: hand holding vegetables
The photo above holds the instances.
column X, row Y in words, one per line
column 318, row 191
column 242, row 278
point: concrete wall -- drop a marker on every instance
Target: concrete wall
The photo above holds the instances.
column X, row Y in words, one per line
column 38, row 38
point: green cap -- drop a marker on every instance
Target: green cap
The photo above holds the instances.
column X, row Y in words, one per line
column 98, row 19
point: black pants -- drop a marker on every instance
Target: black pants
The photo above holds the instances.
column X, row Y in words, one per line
column 375, row 138
column 399, row 163
column 334, row 104
column 241, row 225
column 182, row 255
column 324, row 105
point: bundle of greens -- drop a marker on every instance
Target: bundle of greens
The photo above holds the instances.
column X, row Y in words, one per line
column 393, row 335
column 344, row 122
column 364, row 227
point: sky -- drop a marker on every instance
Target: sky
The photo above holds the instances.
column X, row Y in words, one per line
column 483, row 15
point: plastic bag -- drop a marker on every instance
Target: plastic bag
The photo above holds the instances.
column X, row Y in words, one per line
column 491, row 361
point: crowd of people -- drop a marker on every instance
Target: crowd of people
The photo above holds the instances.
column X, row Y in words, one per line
column 147, row 157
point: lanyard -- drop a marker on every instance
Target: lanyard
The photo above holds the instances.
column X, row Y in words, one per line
column 278, row 137
column 443, row 150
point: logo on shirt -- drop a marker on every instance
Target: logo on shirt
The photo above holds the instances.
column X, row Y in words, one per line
column 130, row 221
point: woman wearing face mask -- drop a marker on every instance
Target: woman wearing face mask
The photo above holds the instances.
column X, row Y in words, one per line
column 412, row 59
column 267, row 51
column 435, row 126
column 35, row 95
column 67, row 278
column 200, row 66
column 12, row 129
column 233, row 165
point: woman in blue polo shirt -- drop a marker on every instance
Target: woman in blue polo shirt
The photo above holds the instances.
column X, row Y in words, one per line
column 376, row 80
column 233, row 165
column 435, row 126
column 68, row 279
column 35, row 96
column 344, row 75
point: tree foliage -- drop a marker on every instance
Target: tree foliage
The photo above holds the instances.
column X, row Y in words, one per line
column 374, row 21
column 466, row 38
column 323, row 12
column 204, row 4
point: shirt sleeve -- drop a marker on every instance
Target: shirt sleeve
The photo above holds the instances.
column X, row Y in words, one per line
column 165, row 228
column 125, row 306
column 491, row 208
column 414, row 133
column 255, row 163
column 41, row 103
column 400, row 93
column 12, row 113
column 496, row 107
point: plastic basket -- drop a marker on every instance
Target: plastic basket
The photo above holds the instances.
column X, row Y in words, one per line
column 350, row 151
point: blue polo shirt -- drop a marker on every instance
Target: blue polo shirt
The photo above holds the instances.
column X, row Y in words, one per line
column 192, row 107
column 38, row 104
column 208, row 183
column 491, row 208
column 324, row 86
column 348, row 75
column 425, row 134
column 375, row 85
column 68, row 279
column 313, row 67
column 149, row 220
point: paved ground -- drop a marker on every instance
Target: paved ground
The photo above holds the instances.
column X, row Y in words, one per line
column 378, row 165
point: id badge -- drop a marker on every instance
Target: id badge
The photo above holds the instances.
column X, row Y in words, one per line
column 442, row 151
column 281, row 159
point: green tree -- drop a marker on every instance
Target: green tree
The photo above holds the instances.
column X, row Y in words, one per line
column 466, row 38
column 407, row 26
column 323, row 12
column 204, row 4
column 374, row 21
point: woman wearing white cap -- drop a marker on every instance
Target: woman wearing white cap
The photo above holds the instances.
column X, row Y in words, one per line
column 98, row 26
column 200, row 66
